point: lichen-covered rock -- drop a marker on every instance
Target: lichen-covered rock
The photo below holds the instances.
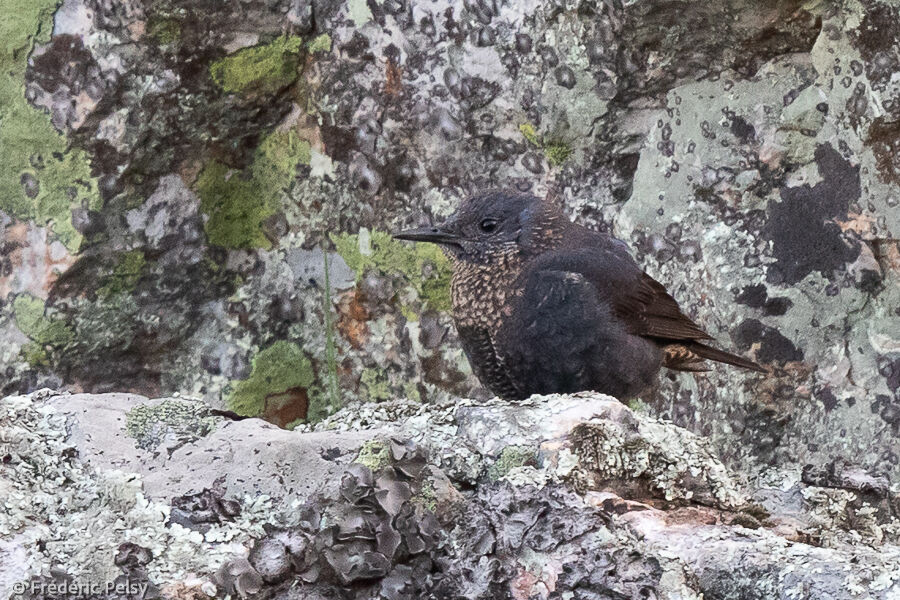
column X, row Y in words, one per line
column 195, row 195
column 399, row 501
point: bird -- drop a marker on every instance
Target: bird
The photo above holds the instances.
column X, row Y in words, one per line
column 543, row 305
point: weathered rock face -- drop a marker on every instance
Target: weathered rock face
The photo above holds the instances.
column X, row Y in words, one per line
column 177, row 175
column 560, row 496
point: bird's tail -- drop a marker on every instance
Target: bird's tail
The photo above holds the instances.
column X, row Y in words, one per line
column 710, row 353
column 689, row 356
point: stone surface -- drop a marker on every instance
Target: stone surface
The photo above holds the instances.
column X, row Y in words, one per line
column 176, row 175
column 397, row 500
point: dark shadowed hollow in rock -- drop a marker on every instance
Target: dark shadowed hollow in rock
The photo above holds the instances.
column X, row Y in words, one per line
column 196, row 201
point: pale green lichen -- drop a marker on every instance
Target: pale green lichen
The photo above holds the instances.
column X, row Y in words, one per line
column 238, row 203
column 374, row 454
column 125, row 275
column 424, row 265
column 510, row 458
column 359, row 12
column 320, row 43
column 279, row 368
column 58, row 178
column 376, row 385
column 175, row 420
column 263, row 69
column 29, row 313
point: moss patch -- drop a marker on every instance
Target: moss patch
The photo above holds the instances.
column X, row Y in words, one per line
column 320, row 43
column 30, row 318
column 125, row 275
column 556, row 152
column 163, row 30
column 40, row 177
column 376, row 384
column 262, row 69
column 238, row 203
column 530, row 134
column 35, row 355
column 424, row 265
column 275, row 371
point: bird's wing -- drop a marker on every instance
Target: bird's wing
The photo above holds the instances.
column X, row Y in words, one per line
column 641, row 302
column 560, row 336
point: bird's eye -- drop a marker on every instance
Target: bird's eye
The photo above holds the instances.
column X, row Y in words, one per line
column 489, row 225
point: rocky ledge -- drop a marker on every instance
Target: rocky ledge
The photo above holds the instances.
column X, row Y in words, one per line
column 118, row 496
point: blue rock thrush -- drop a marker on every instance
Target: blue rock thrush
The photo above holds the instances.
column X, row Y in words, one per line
column 543, row 305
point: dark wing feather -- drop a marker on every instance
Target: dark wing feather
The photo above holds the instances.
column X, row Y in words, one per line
column 650, row 311
column 639, row 300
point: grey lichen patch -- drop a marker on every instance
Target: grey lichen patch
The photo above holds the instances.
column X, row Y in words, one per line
column 511, row 458
column 59, row 513
column 169, row 421
column 670, row 461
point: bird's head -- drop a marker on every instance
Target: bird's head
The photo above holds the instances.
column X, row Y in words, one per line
column 489, row 226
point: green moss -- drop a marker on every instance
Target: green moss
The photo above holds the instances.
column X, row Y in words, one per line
column 510, row 458
column 530, row 134
column 275, row 370
column 374, row 454
column 278, row 156
column 164, row 30
column 125, row 275
column 376, row 385
column 557, row 153
column 639, row 406
column 411, row 391
column 150, row 425
column 321, row 43
column 262, row 69
column 35, row 354
column 31, row 320
column 424, row 265
column 238, row 203
column 33, row 151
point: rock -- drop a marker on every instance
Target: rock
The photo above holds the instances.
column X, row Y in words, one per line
column 556, row 496
column 175, row 180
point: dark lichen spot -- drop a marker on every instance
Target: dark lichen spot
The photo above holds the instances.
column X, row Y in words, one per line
column 742, row 129
column 804, row 235
column 888, row 409
column 773, row 346
column 829, row 400
column 756, row 296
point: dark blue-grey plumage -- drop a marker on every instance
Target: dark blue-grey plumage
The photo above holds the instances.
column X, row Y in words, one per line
column 543, row 305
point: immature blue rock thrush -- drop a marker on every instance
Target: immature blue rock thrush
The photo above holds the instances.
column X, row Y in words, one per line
column 543, row 305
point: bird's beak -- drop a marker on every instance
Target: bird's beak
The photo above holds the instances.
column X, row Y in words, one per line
column 435, row 235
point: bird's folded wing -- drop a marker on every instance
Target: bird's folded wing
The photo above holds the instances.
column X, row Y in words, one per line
column 640, row 301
